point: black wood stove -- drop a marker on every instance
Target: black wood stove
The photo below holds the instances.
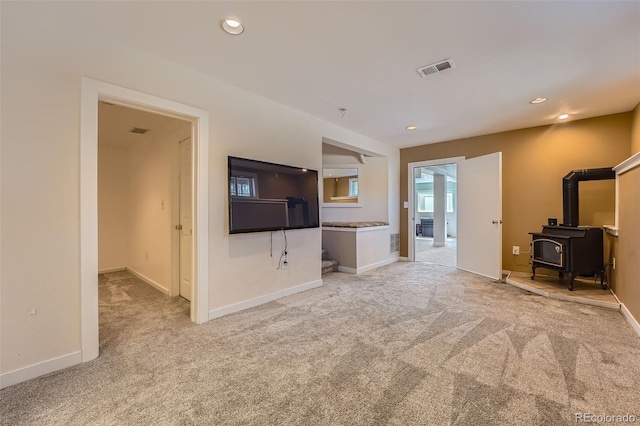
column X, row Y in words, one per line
column 571, row 251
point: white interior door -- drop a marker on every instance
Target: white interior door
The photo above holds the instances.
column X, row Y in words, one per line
column 480, row 215
column 186, row 231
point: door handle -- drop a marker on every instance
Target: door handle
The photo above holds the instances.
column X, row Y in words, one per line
column 496, row 222
column 178, row 227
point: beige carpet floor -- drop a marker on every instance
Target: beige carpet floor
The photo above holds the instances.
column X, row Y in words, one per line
column 426, row 252
column 407, row 344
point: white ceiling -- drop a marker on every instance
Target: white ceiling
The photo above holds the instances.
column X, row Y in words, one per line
column 320, row 56
column 115, row 123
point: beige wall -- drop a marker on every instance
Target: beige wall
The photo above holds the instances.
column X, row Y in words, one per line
column 635, row 130
column 534, row 162
column 137, row 203
column 42, row 66
column 112, row 208
column 373, row 193
column 152, row 204
column 341, row 246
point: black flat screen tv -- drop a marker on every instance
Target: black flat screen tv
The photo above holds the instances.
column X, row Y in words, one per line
column 270, row 197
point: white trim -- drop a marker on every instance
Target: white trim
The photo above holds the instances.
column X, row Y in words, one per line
column 630, row 318
column 357, row 230
column 89, row 221
column 107, row 270
column 338, row 229
column 340, row 166
column 612, row 230
column 371, row 228
column 617, row 202
column 149, row 281
column 328, row 205
column 91, row 92
column 528, row 288
column 38, row 369
column 256, row 301
column 585, row 301
column 628, row 164
column 344, row 197
column 403, row 259
column 369, row 267
column 560, row 296
column 411, row 190
column 478, row 273
column 376, row 265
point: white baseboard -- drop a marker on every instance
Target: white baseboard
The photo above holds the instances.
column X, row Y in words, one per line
column 634, row 322
column 149, row 281
column 560, row 296
column 107, row 270
column 39, row 369
column 403, row 259
column 366, row 268
column 528, row 288
column 256, row 301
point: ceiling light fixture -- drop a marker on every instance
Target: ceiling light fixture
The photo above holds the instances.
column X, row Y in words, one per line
column 563, row 116
column 411, row 127
column 231, row 26
column 538, row 100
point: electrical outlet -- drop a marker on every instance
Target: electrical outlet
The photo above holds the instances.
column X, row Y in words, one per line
column 613, row 263
column 285, row 263
column 516, row 250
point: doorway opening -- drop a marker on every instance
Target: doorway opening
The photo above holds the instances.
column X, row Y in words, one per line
column 478, row 207
column 435, row 213
column 144, row 197
column 93, row 92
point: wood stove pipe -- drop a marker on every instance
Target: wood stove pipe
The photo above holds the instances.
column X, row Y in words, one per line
column 570, row 203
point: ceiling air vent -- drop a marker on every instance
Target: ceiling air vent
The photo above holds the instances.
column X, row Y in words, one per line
column 139, row 130
column 437, row 67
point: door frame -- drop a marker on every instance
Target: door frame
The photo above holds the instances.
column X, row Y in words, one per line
column 411, row 220
column 93, row 91
column 176, row 218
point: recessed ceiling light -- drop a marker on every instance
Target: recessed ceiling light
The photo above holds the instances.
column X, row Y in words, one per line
column 538, row 100
column 411, row 127
column 231, row 26
column 563, row 116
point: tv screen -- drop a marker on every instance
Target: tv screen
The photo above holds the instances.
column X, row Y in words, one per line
column 269, row 197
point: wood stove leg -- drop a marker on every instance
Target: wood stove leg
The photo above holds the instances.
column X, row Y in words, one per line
column 571, row 277
column 533, row 268
column 602, row 281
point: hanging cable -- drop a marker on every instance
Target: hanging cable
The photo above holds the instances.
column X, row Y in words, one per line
column 284, row 261
column 271, row 244
column 284, row 232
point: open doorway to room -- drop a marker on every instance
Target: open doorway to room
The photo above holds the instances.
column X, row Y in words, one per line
column 144, row 198
column 435, row 213
column 477, row 208
column 93, row 92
